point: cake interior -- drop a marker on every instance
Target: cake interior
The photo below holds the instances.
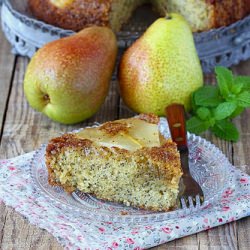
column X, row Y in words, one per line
column 121, row 11
column 197, row 13
column 117, row 178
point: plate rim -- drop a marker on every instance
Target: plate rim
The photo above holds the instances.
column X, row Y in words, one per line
column 128, row 218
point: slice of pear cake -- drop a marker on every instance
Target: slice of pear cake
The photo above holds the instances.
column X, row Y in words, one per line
column 126, row 161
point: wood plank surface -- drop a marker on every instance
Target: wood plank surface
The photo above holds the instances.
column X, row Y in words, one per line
column 7, row 66
column 241, row 158
column 22, row 123
column 24, row 129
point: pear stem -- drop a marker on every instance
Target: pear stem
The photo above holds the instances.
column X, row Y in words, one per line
column 168, row 17
column 46, row 98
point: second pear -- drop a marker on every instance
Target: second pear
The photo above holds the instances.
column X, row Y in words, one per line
column 161, row 67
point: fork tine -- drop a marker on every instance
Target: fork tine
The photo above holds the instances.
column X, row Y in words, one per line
column 186, row 202
column 189, row 201
column 198, row 200
column 193, row 201
column 183, row 203
column 201, row 199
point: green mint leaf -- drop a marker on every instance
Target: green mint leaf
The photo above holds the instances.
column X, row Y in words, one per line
column 237, row 112
column 224, row 110
column 211, row 121
column 226, row 130
column 231, row 98
column 243, row 99
column 194, row 106
column 207, row 96
column 203, row 113
column 196, row 125
column 237, row 87
column 244, row 80
column 224, row 79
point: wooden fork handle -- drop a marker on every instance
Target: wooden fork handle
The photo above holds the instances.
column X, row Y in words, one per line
column 176, row 119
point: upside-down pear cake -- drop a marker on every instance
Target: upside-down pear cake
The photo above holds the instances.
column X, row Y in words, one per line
column 125, row 161
column 77, row 14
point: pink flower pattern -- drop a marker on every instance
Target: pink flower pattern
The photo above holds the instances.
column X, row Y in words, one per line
column 167, row 230
column 130, row 241
column 134, row 232
column 226, row 208
column 11, row 168
column 243, row 180
column 205, row 220
column 17, row 190
column 101, row 229
column 115, row 244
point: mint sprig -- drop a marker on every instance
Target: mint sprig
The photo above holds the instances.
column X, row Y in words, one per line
column 214, row 107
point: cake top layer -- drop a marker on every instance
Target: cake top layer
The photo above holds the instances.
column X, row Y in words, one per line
column 130, row 134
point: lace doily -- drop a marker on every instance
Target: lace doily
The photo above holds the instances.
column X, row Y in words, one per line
column 77, row 232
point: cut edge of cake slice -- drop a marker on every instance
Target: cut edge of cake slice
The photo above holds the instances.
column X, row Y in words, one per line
column 125, row 161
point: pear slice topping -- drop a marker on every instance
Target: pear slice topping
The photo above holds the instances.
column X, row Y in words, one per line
column 147, row 134
column 138, row 134
column 100, row 137
column 61, row 3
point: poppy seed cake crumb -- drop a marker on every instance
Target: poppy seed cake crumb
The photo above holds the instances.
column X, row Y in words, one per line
column 134, row 174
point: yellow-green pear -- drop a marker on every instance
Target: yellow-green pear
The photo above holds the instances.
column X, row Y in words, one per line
column 68, row 79
column 161, row 67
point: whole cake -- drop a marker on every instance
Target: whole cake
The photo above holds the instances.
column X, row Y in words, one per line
column 126, row 161
column 77, row 14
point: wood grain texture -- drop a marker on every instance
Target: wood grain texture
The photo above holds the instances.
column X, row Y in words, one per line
column 25, row 129
column 241, row 158
column 7, row 66
column 21, row 123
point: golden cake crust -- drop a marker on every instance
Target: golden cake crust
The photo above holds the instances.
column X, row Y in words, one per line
column 83, row 13
column 75, row 16
column 225, row 12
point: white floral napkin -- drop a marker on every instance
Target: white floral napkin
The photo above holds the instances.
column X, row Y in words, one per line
column 74, row 232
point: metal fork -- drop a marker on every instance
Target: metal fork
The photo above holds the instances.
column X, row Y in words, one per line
column 192, row 195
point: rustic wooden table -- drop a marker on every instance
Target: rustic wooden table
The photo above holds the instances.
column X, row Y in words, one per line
column 22, row 130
